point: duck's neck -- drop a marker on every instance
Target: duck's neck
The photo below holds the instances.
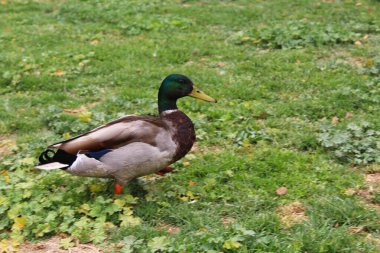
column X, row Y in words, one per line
column 165, row 104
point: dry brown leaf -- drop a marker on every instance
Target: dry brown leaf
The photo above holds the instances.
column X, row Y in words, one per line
column 358, row 43
column 191, row 183
column 75, row 110
column 170, row 228
column 221, row 64
column 356, row 230
column 365, row 36
column 94, row 42
column 348, row 115
column 59, row 72
column 335, row 120
column 263, row 115
column 349, row 192
column 282, row 191
column 227, row 221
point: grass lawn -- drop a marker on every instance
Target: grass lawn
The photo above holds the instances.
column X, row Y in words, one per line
column 286, row 161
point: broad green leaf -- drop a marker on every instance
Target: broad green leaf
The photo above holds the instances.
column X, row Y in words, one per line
column 42, row 229
column 129, row 221
column 85, row 116
column 119, row 202
column 231, row 244
column 19, row 223
column 66, row 243
column 159, row 243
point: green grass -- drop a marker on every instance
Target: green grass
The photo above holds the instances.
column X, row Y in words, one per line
column 280, row 70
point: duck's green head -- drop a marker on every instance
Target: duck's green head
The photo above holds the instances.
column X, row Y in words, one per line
column 176, row 86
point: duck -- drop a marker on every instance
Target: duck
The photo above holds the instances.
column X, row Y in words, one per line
column 131, row 146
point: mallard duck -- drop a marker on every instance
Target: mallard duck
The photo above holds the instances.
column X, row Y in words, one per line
column 131, row 146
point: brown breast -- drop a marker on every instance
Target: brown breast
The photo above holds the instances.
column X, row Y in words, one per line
column 183, row 132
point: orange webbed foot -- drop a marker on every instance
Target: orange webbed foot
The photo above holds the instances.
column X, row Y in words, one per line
column 118, row 189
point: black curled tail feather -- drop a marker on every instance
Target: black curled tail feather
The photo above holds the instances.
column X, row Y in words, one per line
column 61, row 156
column 45, row 158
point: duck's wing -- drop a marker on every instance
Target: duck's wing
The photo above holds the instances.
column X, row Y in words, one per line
column 114, row 134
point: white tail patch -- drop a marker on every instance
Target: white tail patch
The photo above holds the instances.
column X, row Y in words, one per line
column 51, row 166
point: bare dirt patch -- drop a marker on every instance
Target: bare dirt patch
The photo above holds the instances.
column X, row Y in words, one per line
column 367, row 193
column 373, row 239
column 6, row 145
column 373, row 178
column 52, row 246
column 292, row 213
column 371, row 188
column 170, row 228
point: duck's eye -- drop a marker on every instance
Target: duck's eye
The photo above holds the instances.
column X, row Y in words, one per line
column 181, row 81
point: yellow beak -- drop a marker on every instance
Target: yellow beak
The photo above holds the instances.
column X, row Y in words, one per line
column 197, row 93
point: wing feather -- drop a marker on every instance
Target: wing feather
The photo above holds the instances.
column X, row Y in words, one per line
column 114, row 134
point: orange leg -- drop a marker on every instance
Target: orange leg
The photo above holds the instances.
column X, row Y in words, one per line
column 118, row 188
column 164, row 171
